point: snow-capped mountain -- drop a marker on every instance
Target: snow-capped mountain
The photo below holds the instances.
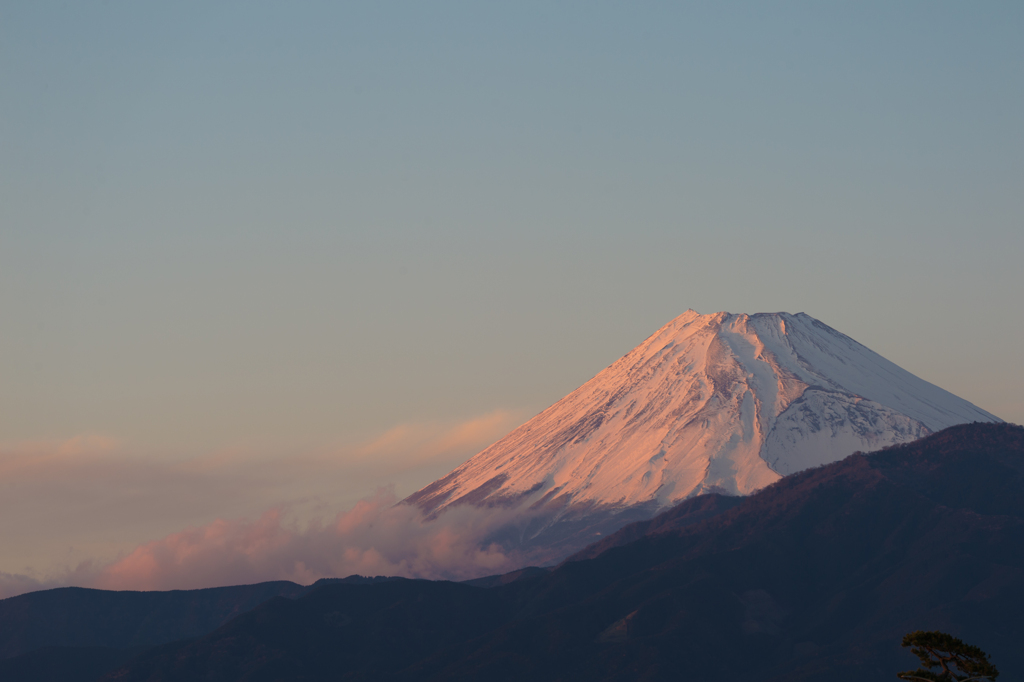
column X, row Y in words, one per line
column 709, row 403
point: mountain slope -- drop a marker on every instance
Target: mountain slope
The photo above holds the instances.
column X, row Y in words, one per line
column 709, row 403
column 814, row 578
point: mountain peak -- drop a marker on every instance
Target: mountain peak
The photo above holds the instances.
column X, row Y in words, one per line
column 720, row 402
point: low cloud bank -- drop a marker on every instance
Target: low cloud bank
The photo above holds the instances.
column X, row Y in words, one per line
column 82, row 512
column 13, row 584
column 376, row 537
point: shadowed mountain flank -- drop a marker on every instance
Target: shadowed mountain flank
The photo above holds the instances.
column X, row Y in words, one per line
column 685, row 513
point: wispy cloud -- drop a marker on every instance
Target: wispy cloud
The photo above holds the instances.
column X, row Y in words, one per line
column 419, row 442
column 41, row 456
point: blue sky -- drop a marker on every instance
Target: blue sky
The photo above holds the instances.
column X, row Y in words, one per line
column 277, row 227
column 254, row 210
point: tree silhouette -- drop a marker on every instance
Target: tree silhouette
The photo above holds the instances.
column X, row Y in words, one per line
column 959, row 662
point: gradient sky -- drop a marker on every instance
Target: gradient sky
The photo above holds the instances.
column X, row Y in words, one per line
column 245, row 233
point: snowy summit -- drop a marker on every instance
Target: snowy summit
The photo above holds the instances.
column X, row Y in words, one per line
column 709, row 403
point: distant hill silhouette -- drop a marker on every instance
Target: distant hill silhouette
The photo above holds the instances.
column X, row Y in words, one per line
column 815, row 578
column 74, row 633
column 75, row 616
